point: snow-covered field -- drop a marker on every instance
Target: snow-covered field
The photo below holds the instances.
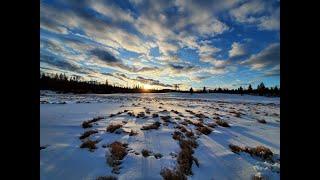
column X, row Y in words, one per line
column 62, row 115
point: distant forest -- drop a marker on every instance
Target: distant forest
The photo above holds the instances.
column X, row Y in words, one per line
column 74, row 84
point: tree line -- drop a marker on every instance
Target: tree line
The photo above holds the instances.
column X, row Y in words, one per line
column 75, row 84
column 261, row 90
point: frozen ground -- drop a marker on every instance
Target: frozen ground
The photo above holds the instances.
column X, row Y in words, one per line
column 61, row 116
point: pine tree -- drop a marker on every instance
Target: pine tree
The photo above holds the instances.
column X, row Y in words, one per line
column 261, row 89
column 191, row 90
column 241, row 90
column 249, row 89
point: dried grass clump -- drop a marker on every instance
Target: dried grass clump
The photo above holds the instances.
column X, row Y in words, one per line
column 204, row 130
column 198, row 124
column 106, row 178
column 222, row 123
column 191, row 112
column 88, row 124
column 262, row 121
column 184, row 123
column 185, row 158
column 177, row 135
column 174, row 111
column 117, row 151
column 131, row 113
column 91, row 145
column 189, row 134
column 168, row 174
column 235, row 113
column 259, row 151
column 200, row 115
column 181, row 128
column 155, row 115
column 145, row 152
column 155, row 125
column 235, row 148
column 188, row 143
column 212, row 125
column 158, row 155
column 140, row 115
column 88, row 133
column 166, row 118
column 112, row 127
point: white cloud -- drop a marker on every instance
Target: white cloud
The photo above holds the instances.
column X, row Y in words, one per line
column 259, row 13
column 114, row 12
column 237, row 49
column 247, row 11
column 270, row 22
column 268, row 57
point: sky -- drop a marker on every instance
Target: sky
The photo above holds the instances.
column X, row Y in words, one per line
column 163, row 44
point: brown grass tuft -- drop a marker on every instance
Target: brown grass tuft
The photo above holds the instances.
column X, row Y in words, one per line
column 145, row 152
column 87, row 134
column 174, row 111
column 222, row 123
column 166, row 118
column 184, row 123
column 155, row 115
column 235, row 148
column 158, row 155
column 189, row 134
column 192, row 143
column 155, row 125
column 191, row 112
column 185, row 158
column 112, row 127
column 168, row 174
column 106, row 178
column 262, row 121
column 131, row 113
column 177, row 135
column 259, row 151
column 204, row 130
column 91, row 145
column 212, row 125
column 141, row 115
column 200, row 115
column 118, row 150
column 88, row 124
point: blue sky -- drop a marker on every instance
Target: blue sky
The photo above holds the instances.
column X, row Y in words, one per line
column 157, row 44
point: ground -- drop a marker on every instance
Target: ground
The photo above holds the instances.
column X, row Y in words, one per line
column 62, row 115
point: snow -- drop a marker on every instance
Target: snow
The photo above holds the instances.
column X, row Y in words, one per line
column 61, row 116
